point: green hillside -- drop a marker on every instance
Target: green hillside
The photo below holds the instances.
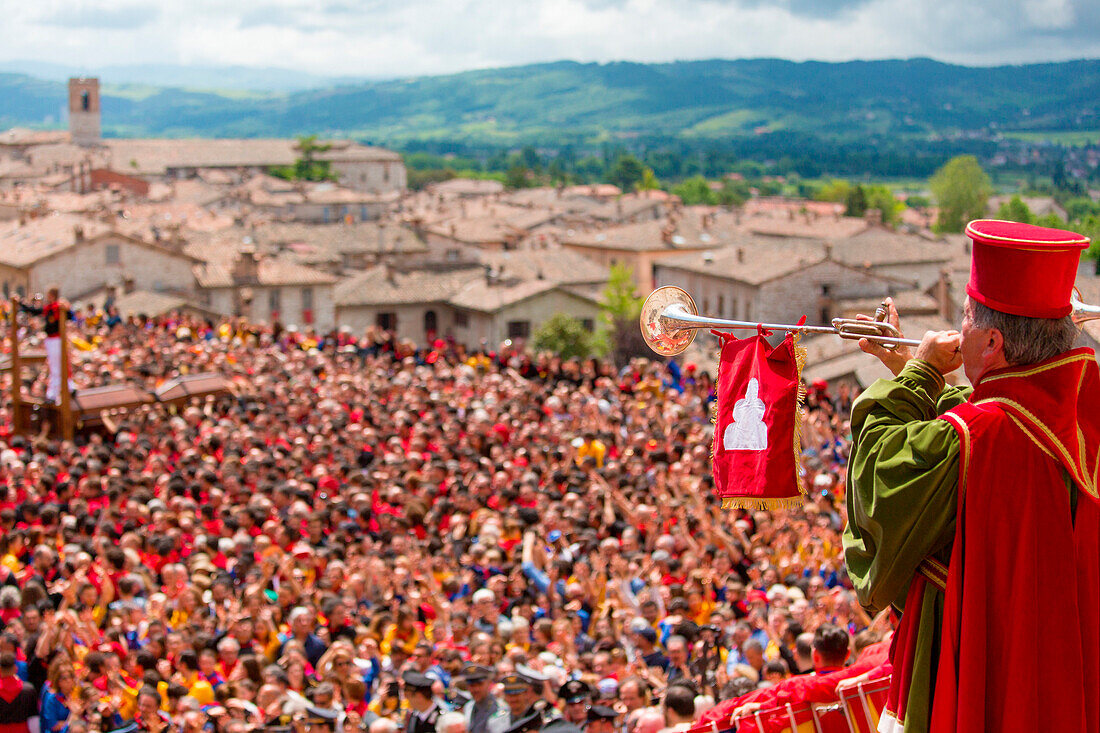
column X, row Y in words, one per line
column 565, row 101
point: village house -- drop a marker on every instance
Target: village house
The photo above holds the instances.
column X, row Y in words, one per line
column 82, row 254
column 315, row 203
column 268, row 289
column 472, row 303
column 640, row 246
column 776, row 284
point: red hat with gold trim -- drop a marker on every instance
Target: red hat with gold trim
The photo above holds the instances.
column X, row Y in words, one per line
column 1022, row 269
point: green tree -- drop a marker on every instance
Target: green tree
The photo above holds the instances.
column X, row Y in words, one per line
column 649, row 181
column 836, row 190
column 962, row 190
column 621, row 311
column 1015, row 210
column 1090, row 227
column 695, row 191
column 882, row 198
column 307, row 167
column 627, row 173
column 517, row 177
column 734, row 192
column 565, row 336
column 856, row 203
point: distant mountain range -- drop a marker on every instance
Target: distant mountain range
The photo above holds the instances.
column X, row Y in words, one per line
column 566, row 102
column 244, row 78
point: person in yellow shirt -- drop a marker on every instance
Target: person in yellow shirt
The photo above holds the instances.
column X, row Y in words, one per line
column 187, row 674
column 591, row 447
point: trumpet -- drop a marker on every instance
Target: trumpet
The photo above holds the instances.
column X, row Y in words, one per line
column 670, row 321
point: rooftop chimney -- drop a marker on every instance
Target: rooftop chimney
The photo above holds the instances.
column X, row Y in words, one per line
column 740, row 255
column 943, row 296
column 246, row 268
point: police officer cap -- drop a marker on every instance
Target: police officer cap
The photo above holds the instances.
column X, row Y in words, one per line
column 574, row 691
column 321, row 715
column 601, row 712
column 530, row 676
column 515, row 682
column 477, row 673
column 416, row 680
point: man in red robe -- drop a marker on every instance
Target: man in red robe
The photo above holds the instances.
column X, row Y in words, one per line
column 18, row 700
column 976, row 515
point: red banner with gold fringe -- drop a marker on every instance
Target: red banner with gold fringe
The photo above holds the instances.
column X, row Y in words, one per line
column 758, row 423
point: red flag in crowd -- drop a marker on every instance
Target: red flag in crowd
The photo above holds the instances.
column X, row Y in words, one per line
column 756, row 431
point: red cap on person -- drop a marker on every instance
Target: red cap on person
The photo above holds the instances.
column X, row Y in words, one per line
column 1022, row 269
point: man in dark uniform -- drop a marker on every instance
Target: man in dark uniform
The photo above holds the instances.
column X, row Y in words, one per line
column 601, row 719
column 531, row 713
column 423, row 709
column 484, row 713
column 18, row 700
column 577, row 696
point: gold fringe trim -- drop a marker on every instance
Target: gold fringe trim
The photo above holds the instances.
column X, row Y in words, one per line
column 799, row 353
column 749, row 502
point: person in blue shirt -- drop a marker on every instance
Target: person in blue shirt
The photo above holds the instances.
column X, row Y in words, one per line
column 57, row 697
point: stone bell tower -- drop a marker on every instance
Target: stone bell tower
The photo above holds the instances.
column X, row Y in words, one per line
column 84, row 111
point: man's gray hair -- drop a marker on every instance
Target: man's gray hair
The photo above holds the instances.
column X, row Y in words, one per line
column 1026, row 340
column 449, row 720
column 383, row 725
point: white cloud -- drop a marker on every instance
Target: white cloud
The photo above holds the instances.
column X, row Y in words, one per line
column 391, row 38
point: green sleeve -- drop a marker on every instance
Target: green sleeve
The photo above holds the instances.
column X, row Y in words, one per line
column 902, row 482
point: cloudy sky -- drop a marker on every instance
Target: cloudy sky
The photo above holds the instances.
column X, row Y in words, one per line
column 411, row 37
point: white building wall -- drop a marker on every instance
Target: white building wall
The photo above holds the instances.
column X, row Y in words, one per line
column 85, row 268
column 371, row 176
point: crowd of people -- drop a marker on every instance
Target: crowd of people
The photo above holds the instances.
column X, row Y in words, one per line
column 367, row 534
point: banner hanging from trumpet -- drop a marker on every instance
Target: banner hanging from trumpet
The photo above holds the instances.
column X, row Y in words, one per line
column 758, row 422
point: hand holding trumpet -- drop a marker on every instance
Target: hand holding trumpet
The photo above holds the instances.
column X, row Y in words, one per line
column 941, row 349
column 894, row 359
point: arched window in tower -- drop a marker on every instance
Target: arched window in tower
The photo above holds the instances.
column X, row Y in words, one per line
column 85, row 101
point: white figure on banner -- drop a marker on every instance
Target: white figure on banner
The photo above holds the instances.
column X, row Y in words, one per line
column 747, row 431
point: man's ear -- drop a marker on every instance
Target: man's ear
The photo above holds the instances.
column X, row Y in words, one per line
column 994, row 347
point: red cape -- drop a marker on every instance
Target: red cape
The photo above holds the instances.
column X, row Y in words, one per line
column 1021, row 625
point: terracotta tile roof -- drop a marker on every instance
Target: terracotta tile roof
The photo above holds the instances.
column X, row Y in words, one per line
column 556, row 265
column 803, row 226
column 354, row 152
column 908, row 302
column 648, row 237
column 880, row 246
column 465, row 287
column 156, row 156
column 382, row 285
column 271, row 271
column 762, row 204
column 484, row 230
column 23, row 136
column 23, row 245
column 479, row 295
column 625, row 207
column 750, row 262
column 360, row 237
column 63, row 153
column 466, row 187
